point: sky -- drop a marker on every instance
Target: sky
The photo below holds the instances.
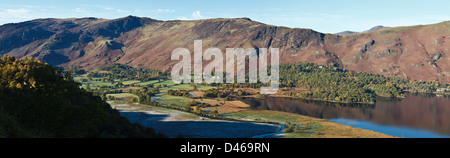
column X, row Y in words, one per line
column 327, row 16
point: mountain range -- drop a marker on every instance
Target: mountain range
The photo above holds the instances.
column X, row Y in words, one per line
column 413, row 52
column 379, row 27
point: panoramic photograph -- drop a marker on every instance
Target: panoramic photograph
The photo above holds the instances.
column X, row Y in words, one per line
column 186, row 71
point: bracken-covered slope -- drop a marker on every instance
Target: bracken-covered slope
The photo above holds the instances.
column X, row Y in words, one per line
column 415, row 52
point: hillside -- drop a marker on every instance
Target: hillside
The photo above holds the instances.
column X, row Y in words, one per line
column 40, row 101
column 415, row 52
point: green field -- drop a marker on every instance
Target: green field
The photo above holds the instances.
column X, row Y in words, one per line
column 166, row 82
column 94, row 83
column 147, row 83
column 308, row 127
column 123, row 95
column 130, row 82
column 250, row 116
column 174, row 101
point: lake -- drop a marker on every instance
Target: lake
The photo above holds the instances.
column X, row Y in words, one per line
column 416, row 116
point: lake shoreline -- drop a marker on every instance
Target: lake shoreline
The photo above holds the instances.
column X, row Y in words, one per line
column 410, row 117
column 169, row 121
column 311, row 99
column 354, row 132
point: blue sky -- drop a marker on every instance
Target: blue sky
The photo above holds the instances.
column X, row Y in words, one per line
column 328, row 16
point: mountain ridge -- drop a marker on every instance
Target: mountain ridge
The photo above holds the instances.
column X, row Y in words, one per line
column 415, row 52
column 370, row 30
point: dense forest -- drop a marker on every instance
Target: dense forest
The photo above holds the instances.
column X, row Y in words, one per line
column 38, row 100
column 336, row 84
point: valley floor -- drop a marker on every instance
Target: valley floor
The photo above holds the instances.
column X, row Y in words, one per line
column 236, row 118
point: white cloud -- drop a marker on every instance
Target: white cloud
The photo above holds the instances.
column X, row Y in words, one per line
column 16, row 15
column 122, row 11
column 162, row 11
column 99, row 7
column 21, row 12
column 183, row 18
column 197, row 15
column 80, row 10
column 107, row 8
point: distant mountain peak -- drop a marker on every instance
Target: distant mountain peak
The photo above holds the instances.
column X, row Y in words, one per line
column 376, row 28
column 345, row 32
column 379, row 27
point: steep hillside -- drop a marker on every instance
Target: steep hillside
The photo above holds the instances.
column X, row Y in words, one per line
column 416, row 52
column 40, row 101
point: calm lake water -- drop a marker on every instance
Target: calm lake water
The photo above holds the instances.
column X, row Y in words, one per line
column 416, row 116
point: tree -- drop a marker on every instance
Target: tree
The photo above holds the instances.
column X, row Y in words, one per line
column 187, row 107
column 214, row 114
column 198, row 110
column 194, row 87
column 88, row 87
column 260, row 96
column 134, row 100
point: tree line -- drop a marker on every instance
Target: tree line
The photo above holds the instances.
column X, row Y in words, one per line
column 340, row 85
column 121, row 71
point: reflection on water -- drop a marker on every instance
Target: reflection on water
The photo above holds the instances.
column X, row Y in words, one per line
column 391, row 130
column 419, row 112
